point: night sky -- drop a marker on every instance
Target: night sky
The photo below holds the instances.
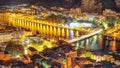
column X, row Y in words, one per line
column 106, row 4
column 10, row 2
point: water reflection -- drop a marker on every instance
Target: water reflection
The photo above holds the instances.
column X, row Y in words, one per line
column 87, row 44
column 70, row 34
column 94, row 45
column 113, row 45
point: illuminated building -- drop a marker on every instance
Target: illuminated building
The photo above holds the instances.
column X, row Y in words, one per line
column 49, row 28
column 4, row 56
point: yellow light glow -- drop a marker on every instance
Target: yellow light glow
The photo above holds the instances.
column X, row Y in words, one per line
column 77, row 33
column 63, row 32
column 54, row 31
column 58, row 31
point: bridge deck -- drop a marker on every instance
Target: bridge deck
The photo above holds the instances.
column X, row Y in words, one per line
column 84, row 36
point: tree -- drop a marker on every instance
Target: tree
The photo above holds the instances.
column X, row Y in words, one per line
column 111, row 20
column 14, row 49
column 117, row 19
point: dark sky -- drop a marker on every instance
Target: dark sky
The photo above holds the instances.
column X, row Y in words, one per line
column 107, row 4
column 14, row 1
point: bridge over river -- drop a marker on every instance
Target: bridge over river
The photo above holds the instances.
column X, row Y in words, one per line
column 77, row 36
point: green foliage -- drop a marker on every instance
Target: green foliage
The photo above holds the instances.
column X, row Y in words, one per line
column 111, row 21
column 14, row 49
column 42, row 62
column 117, row 19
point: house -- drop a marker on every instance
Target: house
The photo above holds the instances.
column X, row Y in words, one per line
column 4, row 56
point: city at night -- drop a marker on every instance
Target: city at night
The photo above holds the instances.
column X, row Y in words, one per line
column 59, row 33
